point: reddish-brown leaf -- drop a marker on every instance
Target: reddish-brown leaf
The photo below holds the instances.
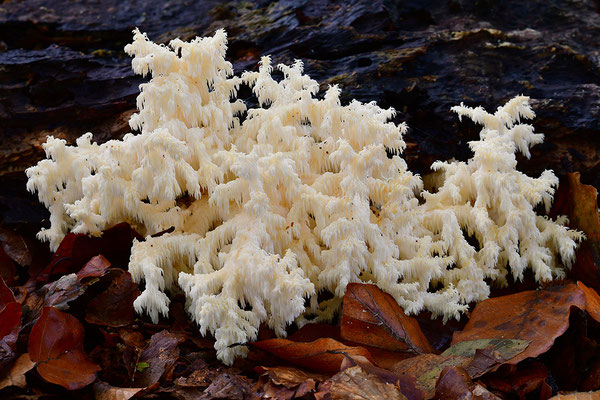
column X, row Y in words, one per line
column 56, row 345
column 323, row 355
column 6, row 295
column 372, row 317
column 114, row 306
column 8, row 271
column 10, row 324
column 94, row 268
column 77, row 249
column 455, row 383
column 356, row 383
column 537, row 316
column 580, row 203
column 522, row 381
column 159, row 359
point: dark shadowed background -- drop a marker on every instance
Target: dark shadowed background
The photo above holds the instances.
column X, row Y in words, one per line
column 63, row 71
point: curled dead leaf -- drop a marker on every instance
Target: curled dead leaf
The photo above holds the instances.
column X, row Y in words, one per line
column 322, row 355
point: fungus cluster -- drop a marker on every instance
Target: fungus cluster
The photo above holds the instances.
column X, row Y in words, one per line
column 271, row 206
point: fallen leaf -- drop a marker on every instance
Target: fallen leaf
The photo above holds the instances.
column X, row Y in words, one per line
column 427, row 367
column 77, row 249
column 372, row 317
column 104, row 391
column 94, row 268
column 287, row 382
column 322, row 355
column 114, row 306
column 580, row 203
column 355, row 383
column 160, row 357
column 6, row 295
column 15, row 246
column 15, row 376
column 455, row 383
column 56, row 345
column 8, row 271
column 527, row 378
column 227, row 386
column 10, row 316
column 407, row 384
column 289, row 376
column 538, row 316
column 578, row 396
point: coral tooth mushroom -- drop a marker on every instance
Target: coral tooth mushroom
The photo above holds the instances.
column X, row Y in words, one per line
column 299, row 198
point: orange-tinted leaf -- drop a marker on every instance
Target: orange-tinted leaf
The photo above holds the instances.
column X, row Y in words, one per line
column 114, row 306
column 56, row 345
column 592, row 301
column 537, row 316
column 356, row 383
column 580, row 203
column 372, row 317
column 94, row 268
column 323, row 355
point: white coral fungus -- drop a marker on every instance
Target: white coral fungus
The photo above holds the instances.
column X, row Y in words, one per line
column 300, row 198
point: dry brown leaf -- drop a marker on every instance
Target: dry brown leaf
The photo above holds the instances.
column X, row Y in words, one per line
column 158, row 359
column 104, row 391
column 476, row 357
column 455, row 383
column 16, row 374
column 539, row 316
column 578, row 396
column 355, row 383
column 289, row 376
column 373, row 318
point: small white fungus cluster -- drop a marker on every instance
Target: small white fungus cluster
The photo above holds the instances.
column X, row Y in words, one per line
column 300, row 198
